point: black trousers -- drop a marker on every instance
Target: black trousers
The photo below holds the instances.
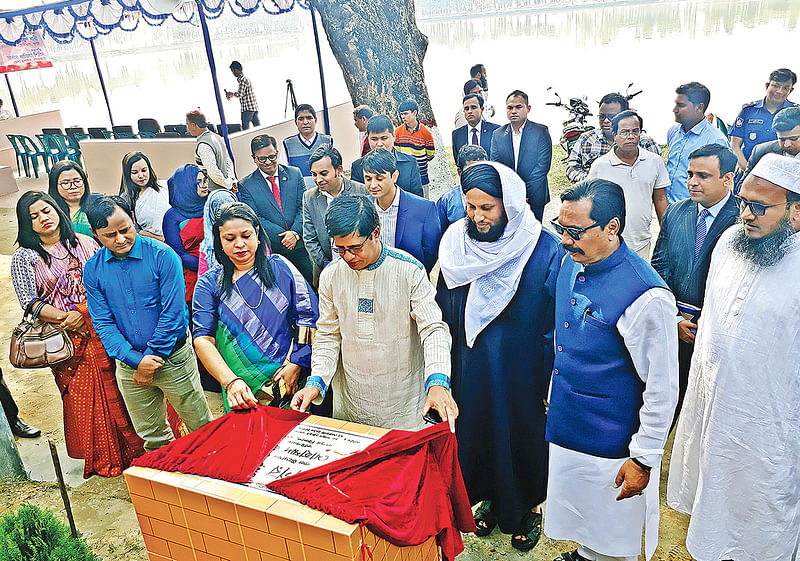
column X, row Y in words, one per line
column 9, row 406
column 249, row 117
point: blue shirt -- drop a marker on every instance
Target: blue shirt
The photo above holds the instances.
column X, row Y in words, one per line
column 450, row 207
column 137, row 303
column 754, row 125
column 681, row 144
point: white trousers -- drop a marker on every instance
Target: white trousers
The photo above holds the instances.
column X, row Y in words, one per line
column 592, row 555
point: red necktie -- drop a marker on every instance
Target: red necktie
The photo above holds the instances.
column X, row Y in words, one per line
column 276, row 192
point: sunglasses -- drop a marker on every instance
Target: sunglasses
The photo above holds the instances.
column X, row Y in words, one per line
column 573, row 232
column 758, row 209
column 265, row 159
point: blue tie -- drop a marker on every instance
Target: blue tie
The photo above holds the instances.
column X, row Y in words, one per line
column 700, row 235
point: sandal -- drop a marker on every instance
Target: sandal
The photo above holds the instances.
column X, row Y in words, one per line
column 570, row 556
column 531, row 529
column 485, row 519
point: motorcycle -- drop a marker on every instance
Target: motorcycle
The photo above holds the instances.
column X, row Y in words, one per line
column 578, row 111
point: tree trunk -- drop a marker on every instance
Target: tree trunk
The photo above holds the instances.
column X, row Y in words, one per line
column 380, row 50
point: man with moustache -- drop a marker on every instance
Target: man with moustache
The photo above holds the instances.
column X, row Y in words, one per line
column 328, row 176
column 381, row 343
column 525, row 147
column 594, row 143
column 136, row 297
column 614, row 384
column 297, row 148
column 452, row 205
column 408, row 222
column 275, row 192
column 497, row 292
column 689, row 232
column 787, row 128
column 734, row 463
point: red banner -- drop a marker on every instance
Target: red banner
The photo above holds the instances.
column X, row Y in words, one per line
column 29, row 53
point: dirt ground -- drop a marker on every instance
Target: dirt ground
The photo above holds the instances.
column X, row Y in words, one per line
column 102, row 507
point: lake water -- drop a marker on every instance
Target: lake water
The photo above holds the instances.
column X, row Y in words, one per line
column 587, row 50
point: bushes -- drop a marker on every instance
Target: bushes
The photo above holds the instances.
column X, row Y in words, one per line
column 33, row 534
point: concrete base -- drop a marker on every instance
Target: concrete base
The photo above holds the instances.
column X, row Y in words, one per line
column 188, row 517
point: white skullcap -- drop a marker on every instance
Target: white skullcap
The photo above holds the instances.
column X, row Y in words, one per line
column 783, row 171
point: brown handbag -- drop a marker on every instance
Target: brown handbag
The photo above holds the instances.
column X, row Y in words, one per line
column 38, row 344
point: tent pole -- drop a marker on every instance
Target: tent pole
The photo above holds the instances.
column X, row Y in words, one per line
column 213, row 67
column 102, row 82
column 321, row 75
column 11, row 93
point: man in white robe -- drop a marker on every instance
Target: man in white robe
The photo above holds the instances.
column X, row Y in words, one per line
column 736, row 457
column 380, row 343
column 614, row 385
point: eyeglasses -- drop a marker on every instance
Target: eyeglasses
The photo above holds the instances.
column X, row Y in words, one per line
column 631, row 132
column 76, row 182
column 604, row 116
column 788, row 139
column 265, row 159
column 573, row 232
column 354, row 249
column 758, row 209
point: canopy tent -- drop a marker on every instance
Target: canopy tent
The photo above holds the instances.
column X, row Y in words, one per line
column 87, row 19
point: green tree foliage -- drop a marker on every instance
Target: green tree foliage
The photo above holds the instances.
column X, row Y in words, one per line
column 33, row 534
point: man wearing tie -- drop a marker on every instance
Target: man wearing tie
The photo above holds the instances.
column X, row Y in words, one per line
column 275, row 193
column 689, row 231
column 477, row 131
column 525, row 147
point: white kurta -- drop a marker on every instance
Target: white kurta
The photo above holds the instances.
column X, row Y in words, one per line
column 736, row 457
column 581, row 499
column 379, row 336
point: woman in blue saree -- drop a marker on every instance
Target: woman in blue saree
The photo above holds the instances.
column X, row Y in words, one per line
column 254, row 317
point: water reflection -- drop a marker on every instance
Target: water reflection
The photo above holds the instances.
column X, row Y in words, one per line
column 161, row 72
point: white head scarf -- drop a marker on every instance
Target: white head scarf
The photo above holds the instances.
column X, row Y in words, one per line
column 492, row 269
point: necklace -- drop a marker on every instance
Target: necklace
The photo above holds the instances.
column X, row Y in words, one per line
column 236, row 284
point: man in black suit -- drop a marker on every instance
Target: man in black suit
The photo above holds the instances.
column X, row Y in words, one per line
column 476, row 131
column 380, row 134
column 525, row 147
column 275, row 193
column 689, row 231
column 19, row 427
column 786, row 124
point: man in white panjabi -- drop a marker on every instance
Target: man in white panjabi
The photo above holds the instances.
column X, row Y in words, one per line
column 735, row 461
column 614, row 385
column 381, row 344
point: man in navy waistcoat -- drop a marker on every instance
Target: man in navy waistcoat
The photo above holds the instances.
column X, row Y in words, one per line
column 614, row 385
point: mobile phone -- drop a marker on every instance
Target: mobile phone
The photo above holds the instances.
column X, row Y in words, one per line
column 432, row 417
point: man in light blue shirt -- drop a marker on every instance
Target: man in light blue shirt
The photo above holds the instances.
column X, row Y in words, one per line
column 691, row 132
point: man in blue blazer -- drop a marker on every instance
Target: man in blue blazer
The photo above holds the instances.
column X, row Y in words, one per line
column 380, row 134
column 275, row 193
column 689, row 231
column 476, row 131
column 525, row 147
column 407, row 222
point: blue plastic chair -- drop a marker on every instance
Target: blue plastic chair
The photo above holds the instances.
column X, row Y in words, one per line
column 70, row 149
column 51, row 147
column 33, row 151
column 21, row 155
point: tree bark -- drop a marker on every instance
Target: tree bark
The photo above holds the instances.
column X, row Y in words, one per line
column 380, row 50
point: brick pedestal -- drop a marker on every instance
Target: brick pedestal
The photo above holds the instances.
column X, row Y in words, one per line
column 189, row 518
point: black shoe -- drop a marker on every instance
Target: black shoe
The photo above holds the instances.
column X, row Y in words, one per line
column 24, row 430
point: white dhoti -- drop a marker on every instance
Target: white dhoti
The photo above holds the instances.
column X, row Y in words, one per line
column 582, row 506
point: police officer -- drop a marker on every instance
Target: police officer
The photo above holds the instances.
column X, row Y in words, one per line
column 754, row 123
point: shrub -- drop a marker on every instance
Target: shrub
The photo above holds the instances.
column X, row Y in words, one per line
column 33, row 534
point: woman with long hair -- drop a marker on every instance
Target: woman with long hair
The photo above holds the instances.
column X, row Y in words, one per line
column 47, row 273
column 183, row 223
column 149, row 199
column 69, row 188
column 253, row 317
